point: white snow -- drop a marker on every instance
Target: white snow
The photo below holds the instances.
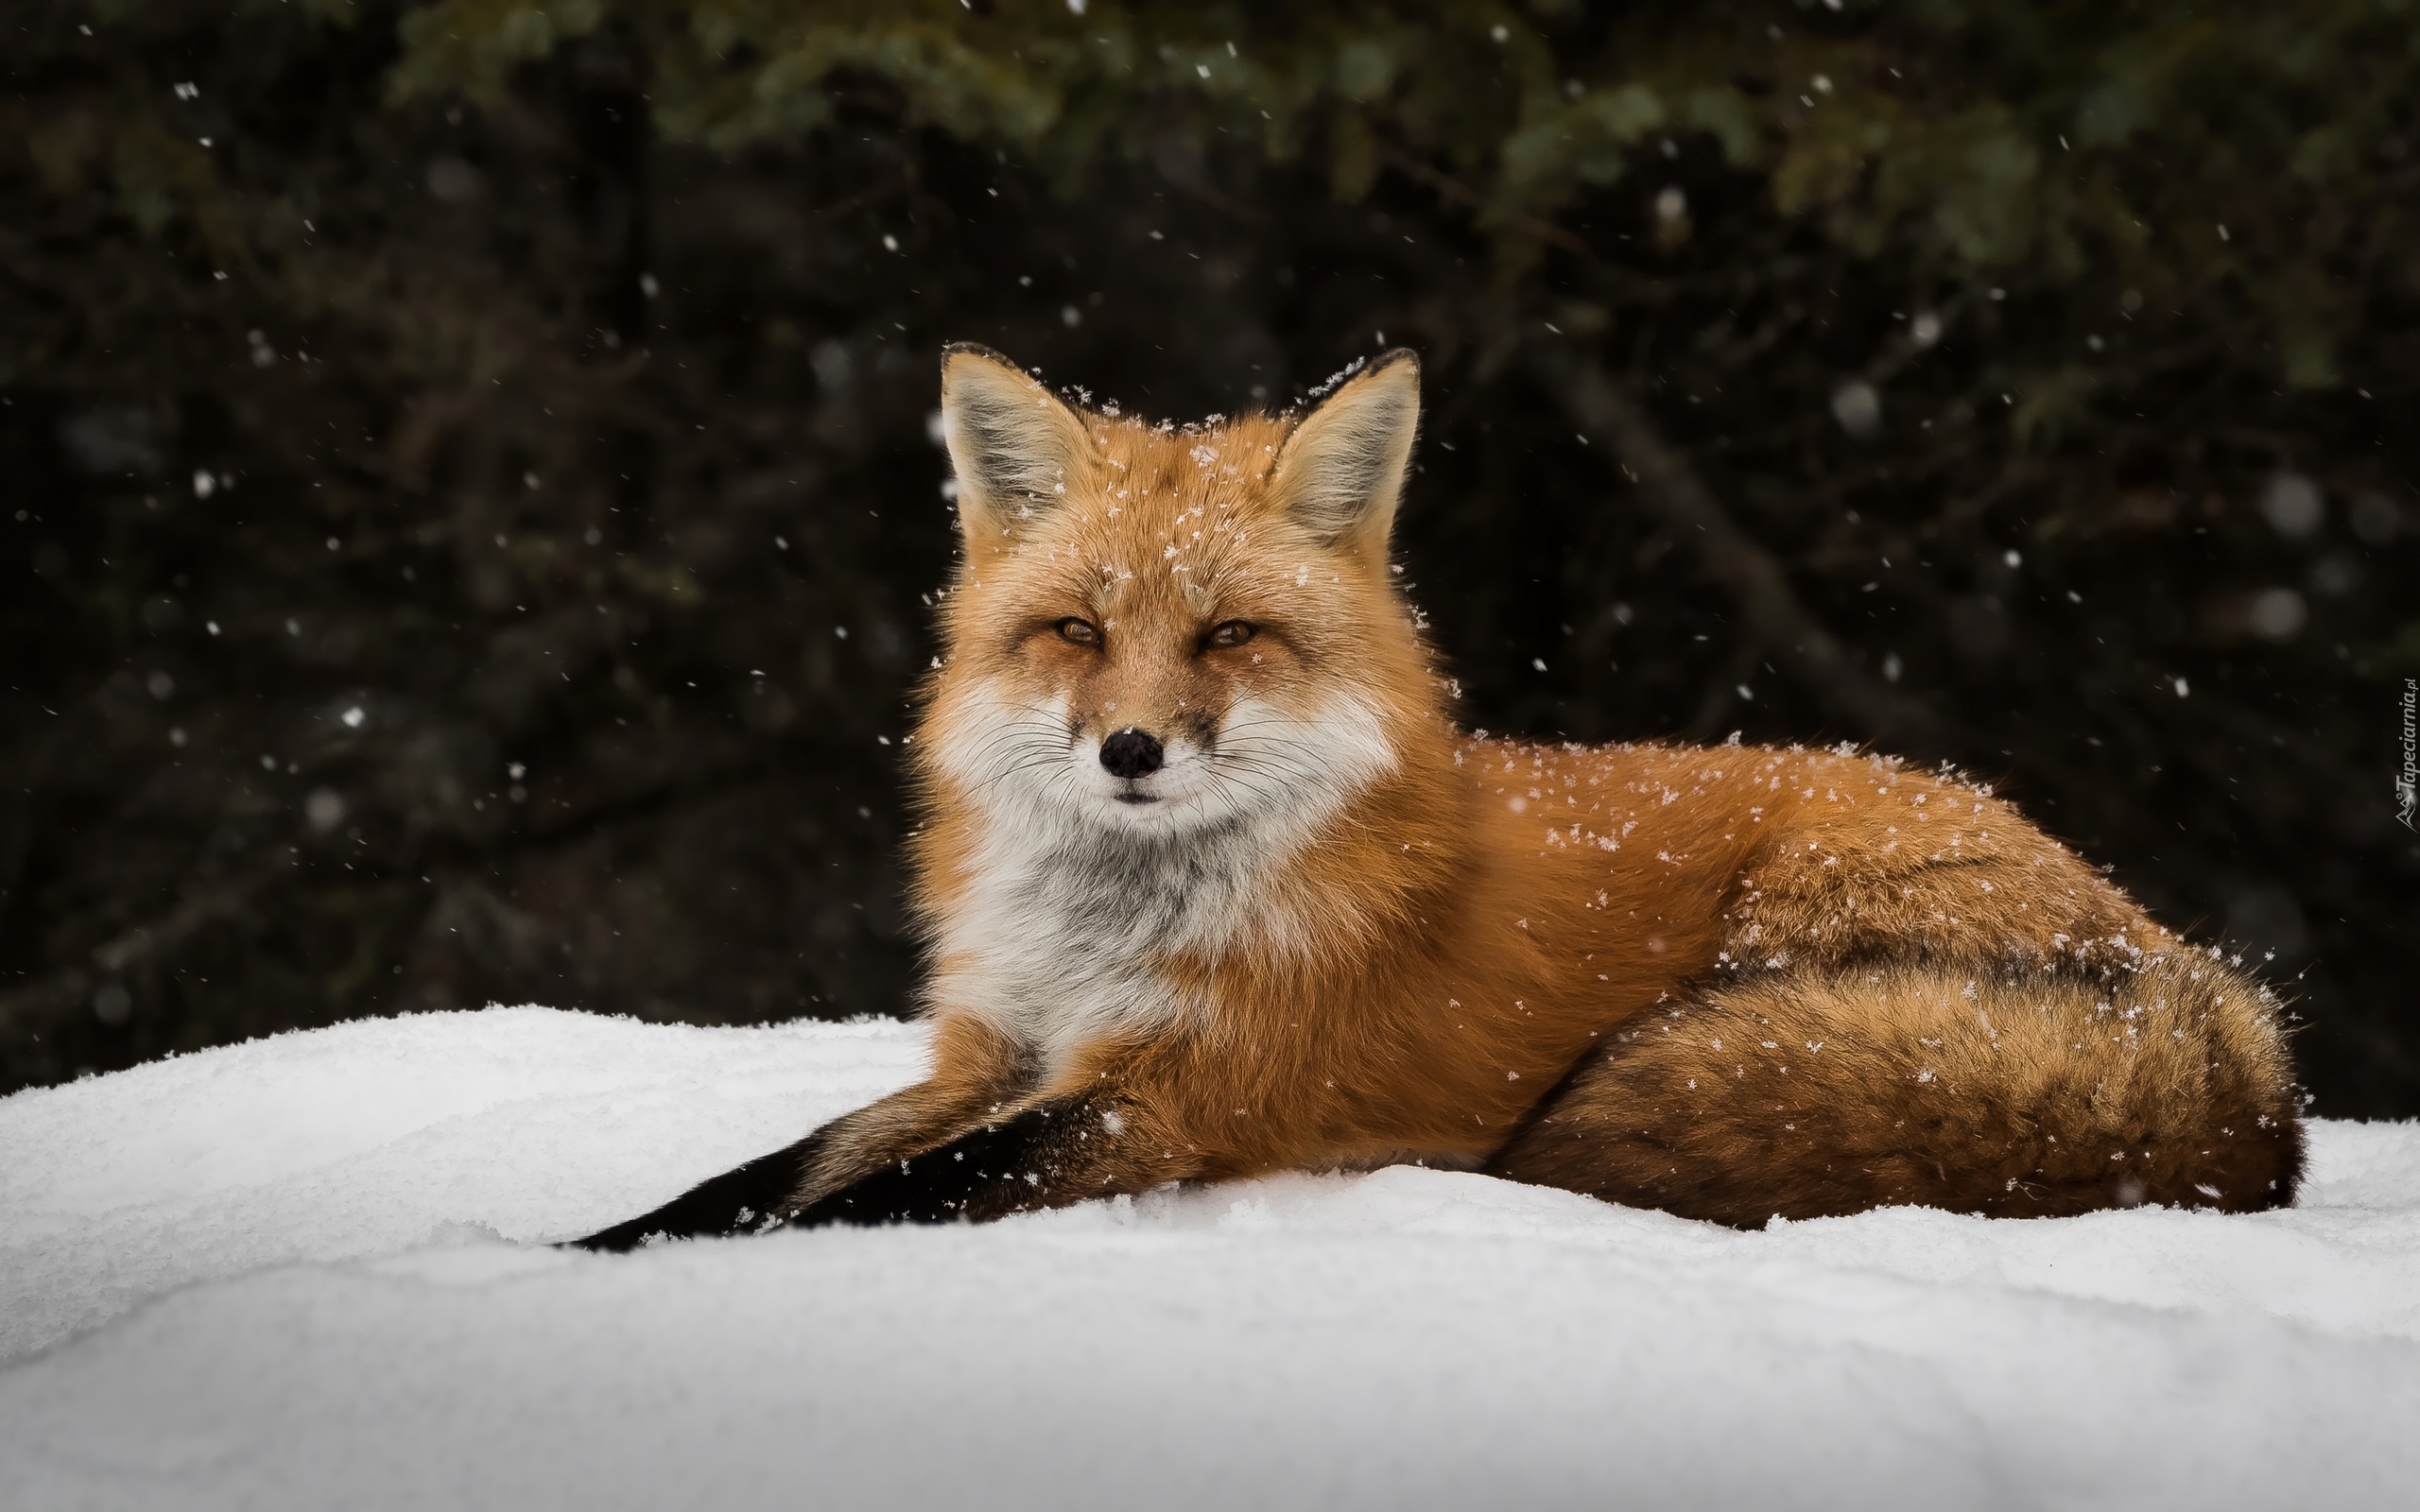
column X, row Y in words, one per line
column 306, row 1271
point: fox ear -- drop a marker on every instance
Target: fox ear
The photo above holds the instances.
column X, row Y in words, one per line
column 1341, row 471
column 1012, row 443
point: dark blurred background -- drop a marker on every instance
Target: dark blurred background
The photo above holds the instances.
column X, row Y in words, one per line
column 470, row 505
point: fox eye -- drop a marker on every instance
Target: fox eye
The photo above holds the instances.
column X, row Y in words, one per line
column 1233, row 633
column 1081, row 632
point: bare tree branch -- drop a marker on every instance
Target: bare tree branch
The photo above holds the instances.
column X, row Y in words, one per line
column 1669, row 487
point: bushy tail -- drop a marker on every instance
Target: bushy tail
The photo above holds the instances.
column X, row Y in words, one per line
column 2033, row 1094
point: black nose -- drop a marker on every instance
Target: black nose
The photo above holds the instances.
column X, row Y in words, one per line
column 1130, row 753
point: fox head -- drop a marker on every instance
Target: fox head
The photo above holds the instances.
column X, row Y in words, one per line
column 1157, row 631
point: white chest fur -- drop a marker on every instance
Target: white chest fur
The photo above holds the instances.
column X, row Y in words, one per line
column 1071, row 907
column 1061, row 940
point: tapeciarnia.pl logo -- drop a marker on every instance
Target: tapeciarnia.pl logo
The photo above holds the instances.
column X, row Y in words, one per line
column 2407, row 782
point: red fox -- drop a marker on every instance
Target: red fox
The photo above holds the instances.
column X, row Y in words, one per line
column 1213, row 886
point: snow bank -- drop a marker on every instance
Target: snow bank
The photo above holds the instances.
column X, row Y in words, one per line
column 300, row 1273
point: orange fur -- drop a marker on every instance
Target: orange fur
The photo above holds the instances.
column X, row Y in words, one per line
column 1330, row 929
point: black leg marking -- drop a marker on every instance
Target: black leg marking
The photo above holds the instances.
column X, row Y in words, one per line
column 739, row 1201
column 1018, row 1163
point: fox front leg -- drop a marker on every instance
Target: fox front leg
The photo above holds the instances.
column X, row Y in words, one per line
column 733, row 1202
column 975, row 1072
column 1047, row 1155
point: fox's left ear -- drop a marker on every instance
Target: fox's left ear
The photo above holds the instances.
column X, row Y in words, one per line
column 1341, row 471
column 1012, row 444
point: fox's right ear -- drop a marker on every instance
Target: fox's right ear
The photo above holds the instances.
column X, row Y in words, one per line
column 1012, row 443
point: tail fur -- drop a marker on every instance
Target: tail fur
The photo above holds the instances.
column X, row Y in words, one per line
column 2039, row 1093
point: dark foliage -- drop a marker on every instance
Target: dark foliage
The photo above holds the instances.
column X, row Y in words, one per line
column 470, row 500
